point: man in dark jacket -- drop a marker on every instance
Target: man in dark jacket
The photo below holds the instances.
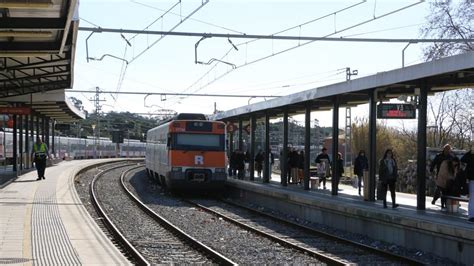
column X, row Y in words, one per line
column 361, row 164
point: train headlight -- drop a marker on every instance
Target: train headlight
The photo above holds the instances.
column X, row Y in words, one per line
column 176, row 169
column 220, row 170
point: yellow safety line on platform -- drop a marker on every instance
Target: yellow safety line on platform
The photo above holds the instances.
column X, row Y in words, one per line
column 27, row 253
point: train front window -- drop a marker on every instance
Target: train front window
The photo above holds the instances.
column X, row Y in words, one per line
column 206, row 142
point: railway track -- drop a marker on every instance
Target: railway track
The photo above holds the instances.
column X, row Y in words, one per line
column 284, row 235
column 159, row 241
column 325, row 247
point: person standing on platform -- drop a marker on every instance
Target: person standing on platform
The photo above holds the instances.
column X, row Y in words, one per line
column 39, row 156
column 440, row 157
column 361, row 164
column 240, row 164
column 301, row 167
column 324, row 165
column 293, row 162
column 388, row 173
column 468, row 160
column 259, row 158
column 340, row 167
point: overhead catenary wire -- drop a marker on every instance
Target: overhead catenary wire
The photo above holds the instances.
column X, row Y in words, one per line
column 193, row 19
column 178, row 94
column 275, row 33
column 322, row 38
column 204, row 2
column 154, row 21
column 270, row 84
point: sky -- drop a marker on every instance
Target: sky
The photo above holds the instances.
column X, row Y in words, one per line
column 168, row 65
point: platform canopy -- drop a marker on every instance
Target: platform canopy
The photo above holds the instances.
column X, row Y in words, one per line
column 37, row 45
column 449, row 73
column 52, row 104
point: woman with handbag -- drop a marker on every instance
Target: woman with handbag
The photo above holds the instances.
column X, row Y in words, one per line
column 388, row 173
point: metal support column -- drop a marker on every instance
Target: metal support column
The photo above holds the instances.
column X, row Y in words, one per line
column 20, row 143
column 421, row 149
column 284, row 157
column 43, row 121
column 38, row 133
column 241, row 139
column 307, row 144
column 372, row 144
column 32, row 128
column 231, row 143
column 46, row 128
column 27, row 141
column 253, row 125
column 348, row 138
column 267, row 157
column 53, row 122
column 335, row 146
column 15, row 142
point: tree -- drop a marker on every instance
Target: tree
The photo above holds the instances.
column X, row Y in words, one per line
column 449, row 20
column 450, row 116
column 450, row 113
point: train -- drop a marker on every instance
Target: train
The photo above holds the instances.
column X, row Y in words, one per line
column 187, row 152
column 75, row 148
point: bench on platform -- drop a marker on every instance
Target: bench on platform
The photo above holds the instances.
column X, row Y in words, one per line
column 452, row 203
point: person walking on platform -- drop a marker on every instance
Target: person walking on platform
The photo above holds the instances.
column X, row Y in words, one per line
column 439, row 158
column 361, row 164
column 39, row 156
column 323, row 162
column 468, row 160
column 388, row 173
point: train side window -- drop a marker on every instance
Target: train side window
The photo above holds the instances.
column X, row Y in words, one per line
column 168, row 142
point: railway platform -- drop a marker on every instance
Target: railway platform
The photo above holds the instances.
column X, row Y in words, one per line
column 44, row 222
column 432, row 230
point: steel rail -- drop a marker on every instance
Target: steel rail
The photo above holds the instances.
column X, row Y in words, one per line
column 308, row 229
column 216, row 256
column 129, row 248
column 318, row 255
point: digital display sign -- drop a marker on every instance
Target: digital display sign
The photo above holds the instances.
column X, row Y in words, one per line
column 396, row 111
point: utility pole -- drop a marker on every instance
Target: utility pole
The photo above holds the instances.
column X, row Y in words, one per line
column 98, row 108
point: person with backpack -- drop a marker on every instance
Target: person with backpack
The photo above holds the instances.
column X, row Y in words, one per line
column 39, row 156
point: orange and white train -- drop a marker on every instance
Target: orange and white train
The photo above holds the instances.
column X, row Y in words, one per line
column 187, row 152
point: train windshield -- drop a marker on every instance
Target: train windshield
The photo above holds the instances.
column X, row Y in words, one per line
column 199, row 142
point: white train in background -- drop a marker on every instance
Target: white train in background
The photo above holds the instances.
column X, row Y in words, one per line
column 75, row 148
